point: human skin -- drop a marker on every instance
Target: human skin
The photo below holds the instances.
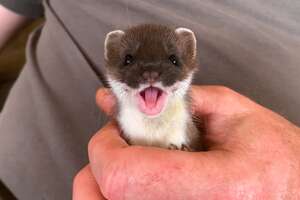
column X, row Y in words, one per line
column 252, row 153
column 10, row 23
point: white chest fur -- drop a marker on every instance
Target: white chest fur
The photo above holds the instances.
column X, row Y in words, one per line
column 169, row 128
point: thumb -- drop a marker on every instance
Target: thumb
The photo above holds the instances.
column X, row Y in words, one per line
column 221, row 110
column 219, row 100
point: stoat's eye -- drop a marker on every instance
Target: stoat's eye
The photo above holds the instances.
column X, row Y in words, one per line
column 128, row 59
column 174, row 60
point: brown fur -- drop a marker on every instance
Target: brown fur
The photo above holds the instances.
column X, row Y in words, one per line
column 151, row 46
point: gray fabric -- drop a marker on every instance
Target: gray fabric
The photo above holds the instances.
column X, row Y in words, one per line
column 250, row 46
column 28, row 8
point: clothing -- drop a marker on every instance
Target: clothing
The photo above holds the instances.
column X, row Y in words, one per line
column 28, row 8
column 50, row 115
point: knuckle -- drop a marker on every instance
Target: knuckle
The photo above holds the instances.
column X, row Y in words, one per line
column 229, row 95
column 96, row 139
column 78, row 179
column 92, row 143
column 225, row 90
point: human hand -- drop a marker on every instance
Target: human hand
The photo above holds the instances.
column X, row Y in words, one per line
column 253, row 153
column 85, row 186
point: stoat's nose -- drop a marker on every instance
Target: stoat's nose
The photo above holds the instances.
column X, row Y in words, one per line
column 151, row 76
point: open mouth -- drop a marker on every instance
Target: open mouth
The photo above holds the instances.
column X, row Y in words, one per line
column 151, row 100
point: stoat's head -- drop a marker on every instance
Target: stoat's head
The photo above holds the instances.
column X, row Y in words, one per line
column 150, row 65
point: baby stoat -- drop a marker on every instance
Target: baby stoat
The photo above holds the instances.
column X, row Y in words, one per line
column 149, row 69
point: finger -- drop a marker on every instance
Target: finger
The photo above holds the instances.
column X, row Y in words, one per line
column 107, row 139
column 85, row 186
column 106, row 100
column 111, row 163
column 102, row 146
column 220, row 100
column 158, row 172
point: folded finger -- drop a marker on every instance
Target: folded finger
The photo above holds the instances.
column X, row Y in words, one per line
column 85, row 186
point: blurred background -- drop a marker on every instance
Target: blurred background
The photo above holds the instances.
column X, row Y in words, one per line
column 12, row 58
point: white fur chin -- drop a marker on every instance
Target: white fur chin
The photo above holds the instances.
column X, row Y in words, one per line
column 169, row 127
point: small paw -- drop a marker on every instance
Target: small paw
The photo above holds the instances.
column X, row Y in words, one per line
column 182, row 148
column 173, row 147
column 185, row 148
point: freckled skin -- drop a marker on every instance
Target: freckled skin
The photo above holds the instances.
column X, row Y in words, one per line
column 253, row 153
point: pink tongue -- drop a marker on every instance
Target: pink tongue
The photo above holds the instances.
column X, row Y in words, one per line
column 151, row 96
column 151, row 101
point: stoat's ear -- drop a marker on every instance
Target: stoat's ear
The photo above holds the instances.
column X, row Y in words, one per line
column 112, row 40
column 187, row 41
